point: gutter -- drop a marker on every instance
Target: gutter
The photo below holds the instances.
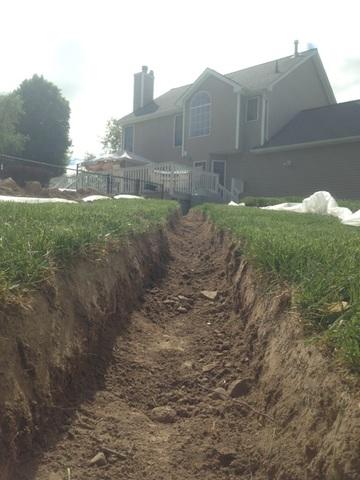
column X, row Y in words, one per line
column 304, row 145
column 149, row 116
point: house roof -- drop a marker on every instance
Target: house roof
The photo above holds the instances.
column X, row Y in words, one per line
column 332, row 122
column 262, row 76
column 253, row 78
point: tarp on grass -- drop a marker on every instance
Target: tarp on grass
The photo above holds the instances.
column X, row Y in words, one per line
column 8, row 198
column 322, row 203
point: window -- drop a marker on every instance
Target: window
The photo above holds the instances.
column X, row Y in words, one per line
column 178, row 130
column 200, row 166
column 129, row 139
column 200, row 115
column 252, row 110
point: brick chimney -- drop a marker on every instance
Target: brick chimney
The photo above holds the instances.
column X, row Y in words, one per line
column 143, row 88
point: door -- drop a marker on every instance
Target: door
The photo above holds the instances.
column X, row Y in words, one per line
column 218, row 166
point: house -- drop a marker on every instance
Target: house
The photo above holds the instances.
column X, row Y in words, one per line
column 223, row 123
column 318, row 149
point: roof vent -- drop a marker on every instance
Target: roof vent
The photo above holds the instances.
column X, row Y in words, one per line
column 296, row 49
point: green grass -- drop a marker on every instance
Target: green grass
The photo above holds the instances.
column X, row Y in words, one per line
column 36, row 239
column 316, row 255
column 266, row 201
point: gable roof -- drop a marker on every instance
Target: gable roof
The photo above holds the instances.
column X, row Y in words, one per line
column 322, row 124
column 264, row 75
column 253, row 78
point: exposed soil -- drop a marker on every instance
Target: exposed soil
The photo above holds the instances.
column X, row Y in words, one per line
column 290, row 416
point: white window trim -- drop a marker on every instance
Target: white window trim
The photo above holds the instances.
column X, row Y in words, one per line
column 212, row 167
column 257, row 109
column 133, row 138
column 174, row 129
column 210, row 116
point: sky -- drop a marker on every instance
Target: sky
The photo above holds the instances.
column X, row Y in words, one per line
column 91, row 49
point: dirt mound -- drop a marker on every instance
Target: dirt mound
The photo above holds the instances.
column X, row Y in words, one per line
column 210, row 388
column 8, row 186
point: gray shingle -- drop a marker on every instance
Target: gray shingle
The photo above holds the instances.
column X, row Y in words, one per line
column 254, row 78
column 324, row 123
column 263, row 75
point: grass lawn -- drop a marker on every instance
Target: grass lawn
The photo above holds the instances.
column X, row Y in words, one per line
column 36, row 239
column 316, row 255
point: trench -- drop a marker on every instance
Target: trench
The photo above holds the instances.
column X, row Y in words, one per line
column 164, row 410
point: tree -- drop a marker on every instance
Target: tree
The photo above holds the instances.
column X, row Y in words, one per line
column 45, row 122
column 112, row 140
column 12, row 142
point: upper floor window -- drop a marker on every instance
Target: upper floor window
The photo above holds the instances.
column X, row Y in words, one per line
column 200, row 114
column 129, row 139
column 178, row 130
column 252, row 109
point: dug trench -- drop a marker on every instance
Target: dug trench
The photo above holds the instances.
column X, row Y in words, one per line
column 204, row 375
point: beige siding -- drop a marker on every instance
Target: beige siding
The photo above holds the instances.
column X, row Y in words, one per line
column 154, row 139
column 223, row 121
column 301, row 172
column 300, row 90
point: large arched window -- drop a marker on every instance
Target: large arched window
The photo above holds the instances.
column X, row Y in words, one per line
column 200, row 114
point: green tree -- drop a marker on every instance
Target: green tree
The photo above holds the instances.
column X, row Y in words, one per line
column 45, row 122
column 112, row 140
column 12, row 142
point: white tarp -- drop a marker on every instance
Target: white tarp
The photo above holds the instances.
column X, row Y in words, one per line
column 94, row 198
column 90, row 198
column 124, row 195
column 322, row 203
column 8, row 198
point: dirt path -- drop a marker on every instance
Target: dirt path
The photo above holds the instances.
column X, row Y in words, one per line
column 174, row 353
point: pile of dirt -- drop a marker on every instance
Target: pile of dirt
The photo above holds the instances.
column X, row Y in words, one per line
column 9, row 187
column 209, row 378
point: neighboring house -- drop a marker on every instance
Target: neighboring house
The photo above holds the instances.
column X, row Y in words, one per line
column 222, row 123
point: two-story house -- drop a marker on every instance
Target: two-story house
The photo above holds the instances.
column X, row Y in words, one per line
column 220, row 122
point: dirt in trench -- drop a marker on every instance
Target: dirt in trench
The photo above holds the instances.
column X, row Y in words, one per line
column 181, row 351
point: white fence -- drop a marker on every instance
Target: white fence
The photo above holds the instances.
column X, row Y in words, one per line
column 170, row 178
column 173, row 177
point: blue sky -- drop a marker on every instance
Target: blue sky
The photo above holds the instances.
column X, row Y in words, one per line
column 92, row 49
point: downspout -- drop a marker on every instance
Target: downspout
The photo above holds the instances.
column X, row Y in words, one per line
column 263, row 119
column 237, row 132
column 183, row 134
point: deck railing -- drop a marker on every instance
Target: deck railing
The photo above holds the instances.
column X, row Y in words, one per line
column 168, row 178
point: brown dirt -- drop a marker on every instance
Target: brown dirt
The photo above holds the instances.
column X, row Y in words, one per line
column 296, row 418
